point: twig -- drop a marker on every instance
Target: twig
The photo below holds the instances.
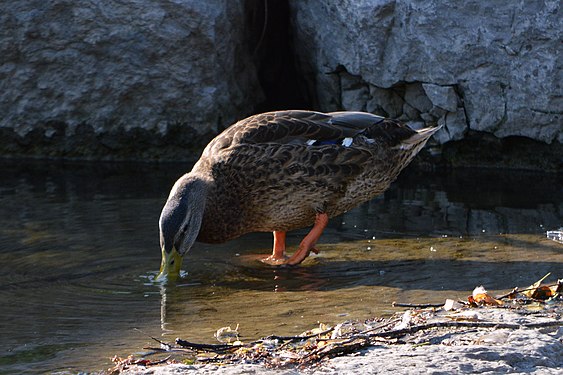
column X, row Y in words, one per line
column 169, row 350
column 164, row 360
column 417, row 305
column 227, row 347
column 381, row 326
column 296, row 338
column 211, row 359
column 513, row 291
column 343, row 347
column 207, row 347
column 404, row 331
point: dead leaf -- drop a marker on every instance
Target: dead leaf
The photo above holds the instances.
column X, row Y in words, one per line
column 542, row 292
column 529, row 291
column 480, row 297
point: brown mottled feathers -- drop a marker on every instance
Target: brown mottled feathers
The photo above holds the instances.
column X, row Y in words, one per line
column 293, row 126
column 275, row 170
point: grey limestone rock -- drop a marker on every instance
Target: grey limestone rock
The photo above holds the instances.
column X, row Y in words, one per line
column 444, row 97
column 485, row 66
column 109, row 67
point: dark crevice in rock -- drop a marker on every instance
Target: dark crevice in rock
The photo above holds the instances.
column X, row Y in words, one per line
column 461, row 97
column 271, row 44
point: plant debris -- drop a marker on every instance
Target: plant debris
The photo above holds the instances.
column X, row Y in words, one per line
column 447, row 324
column 125, row 363
column 227, row 335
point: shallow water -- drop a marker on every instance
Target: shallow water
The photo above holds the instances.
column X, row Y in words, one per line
column 79, row 251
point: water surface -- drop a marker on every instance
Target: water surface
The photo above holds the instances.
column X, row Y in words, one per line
column 79, row 251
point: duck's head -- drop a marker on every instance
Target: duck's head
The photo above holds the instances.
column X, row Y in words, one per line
column 180, row 222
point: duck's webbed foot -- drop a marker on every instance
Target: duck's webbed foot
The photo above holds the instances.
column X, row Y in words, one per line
column 275, row 261
column 310, row 241
column 278, row 256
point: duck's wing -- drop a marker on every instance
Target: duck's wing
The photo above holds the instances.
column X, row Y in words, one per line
column 294, row 127
column 303, row 127
column 293, row 145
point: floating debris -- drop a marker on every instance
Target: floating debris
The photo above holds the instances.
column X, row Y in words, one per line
column 555, row 235
column 227, row 334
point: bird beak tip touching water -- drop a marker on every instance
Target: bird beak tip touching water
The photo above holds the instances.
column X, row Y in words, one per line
column 170, row 265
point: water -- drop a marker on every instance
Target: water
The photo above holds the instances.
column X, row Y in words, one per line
column 79, row 251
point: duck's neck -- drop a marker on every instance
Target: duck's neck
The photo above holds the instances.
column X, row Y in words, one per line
column 191, row 186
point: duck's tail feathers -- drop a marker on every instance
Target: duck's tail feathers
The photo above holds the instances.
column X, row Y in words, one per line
column 419, row 138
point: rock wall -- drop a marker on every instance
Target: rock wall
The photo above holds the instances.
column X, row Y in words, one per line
column 97, row 78
column 470, row 65
column 157, row 79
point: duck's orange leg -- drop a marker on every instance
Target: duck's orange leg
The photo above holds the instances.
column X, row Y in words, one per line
column 279, row 245
column 278, row 253
column 310, row 241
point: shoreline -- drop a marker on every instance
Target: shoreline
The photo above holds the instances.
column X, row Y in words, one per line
column 473, row 348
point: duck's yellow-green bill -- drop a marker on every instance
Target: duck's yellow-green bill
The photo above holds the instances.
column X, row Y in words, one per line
column 170, row 265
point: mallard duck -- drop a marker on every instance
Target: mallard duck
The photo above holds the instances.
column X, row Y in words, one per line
column 280, row 171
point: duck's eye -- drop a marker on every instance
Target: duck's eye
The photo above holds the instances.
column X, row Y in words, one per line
column 172, row 262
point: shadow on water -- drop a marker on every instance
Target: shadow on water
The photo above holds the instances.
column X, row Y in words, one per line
column 79, row 251
column 429, row 276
